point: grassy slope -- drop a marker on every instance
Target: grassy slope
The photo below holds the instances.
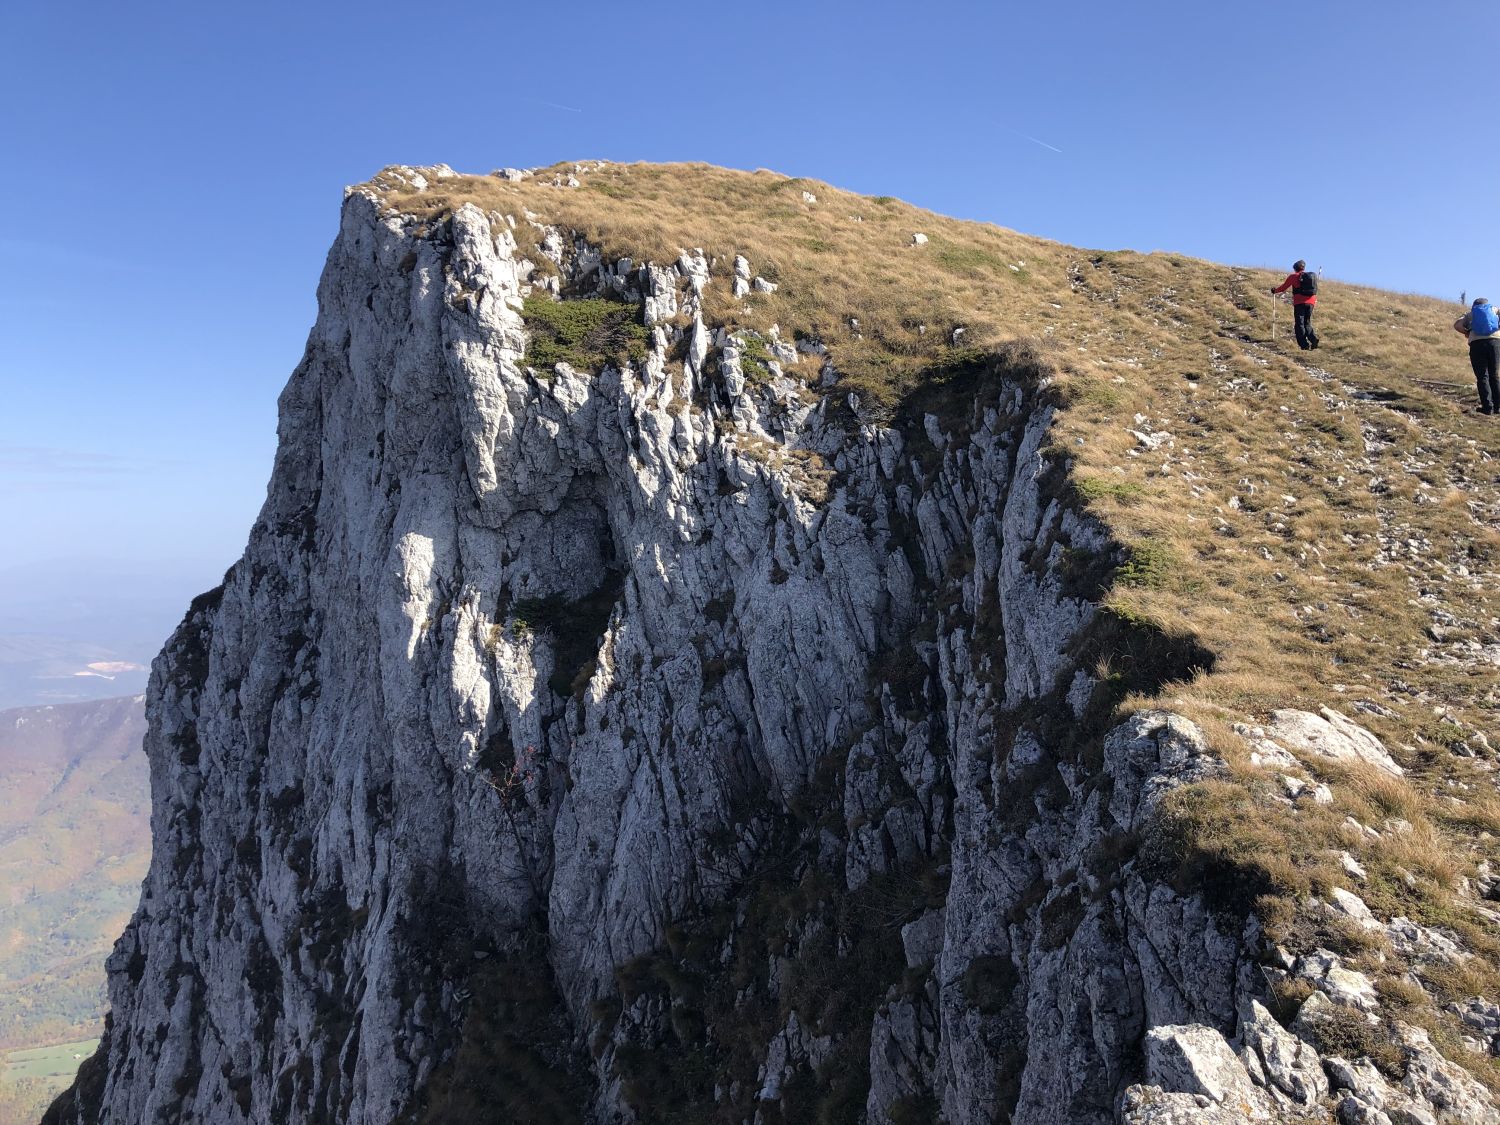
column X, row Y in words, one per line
column 1329, row 530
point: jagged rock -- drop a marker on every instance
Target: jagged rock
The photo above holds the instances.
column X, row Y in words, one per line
column 903, row 1052
column 1263, row 752
column 1352, row 1111
column 790, row 1048
column 1194, row 1059
column 1483, row 1017
column 1151, row 441
column 922, row 940
column 1420, row 943
column 1148, row 1105
column 1149, row 755
column 694, row 266
column 1434, row 1091
column 1289, row 1065
column 1368, row 1097
column 1348, row 987
column 1353, row 907
column 1330, row 735
column 387, row 736
column 1453, row 1095
column 660, row 302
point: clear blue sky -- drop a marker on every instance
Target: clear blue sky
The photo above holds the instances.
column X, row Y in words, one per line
column 173, row 178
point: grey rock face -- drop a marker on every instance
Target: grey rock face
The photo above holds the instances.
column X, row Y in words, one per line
column 704, row 740
column 1197, row 1060
column 1289, row 1066
column 1330, row 735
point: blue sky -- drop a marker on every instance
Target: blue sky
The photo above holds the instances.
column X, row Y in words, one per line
column 174, row 174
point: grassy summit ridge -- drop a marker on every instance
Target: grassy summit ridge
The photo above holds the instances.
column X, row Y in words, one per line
column 1325, row 523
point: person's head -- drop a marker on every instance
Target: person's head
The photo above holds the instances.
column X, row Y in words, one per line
column 1299, row 265
column 1481, row 301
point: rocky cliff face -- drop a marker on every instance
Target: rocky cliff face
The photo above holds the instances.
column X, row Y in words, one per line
column 675, row 740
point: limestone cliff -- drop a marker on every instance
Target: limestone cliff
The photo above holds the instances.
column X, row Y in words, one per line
column 673, row 738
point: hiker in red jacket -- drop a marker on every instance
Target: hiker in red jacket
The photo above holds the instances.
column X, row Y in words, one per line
column 1304, row 286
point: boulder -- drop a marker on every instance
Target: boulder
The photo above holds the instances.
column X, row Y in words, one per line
column 1194, row 1059
column 1330, row 735
column 1289, row 1064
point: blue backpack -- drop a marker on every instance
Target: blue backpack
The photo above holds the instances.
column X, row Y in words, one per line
column 1483, row 321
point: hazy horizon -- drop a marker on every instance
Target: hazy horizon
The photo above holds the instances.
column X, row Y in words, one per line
column 153, row 319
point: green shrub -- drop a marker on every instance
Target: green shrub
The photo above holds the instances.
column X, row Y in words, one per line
column 755, row 358
column 1149, row 564
column 585, row 333
column 1100, row 488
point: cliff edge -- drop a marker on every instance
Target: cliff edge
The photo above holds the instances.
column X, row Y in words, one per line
column 717, row 648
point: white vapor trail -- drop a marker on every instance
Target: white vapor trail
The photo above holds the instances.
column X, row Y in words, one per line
column 1033, row 140
column 554, row 105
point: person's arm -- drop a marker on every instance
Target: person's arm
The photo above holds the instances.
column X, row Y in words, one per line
column 1285, row 285
column 1461, row 325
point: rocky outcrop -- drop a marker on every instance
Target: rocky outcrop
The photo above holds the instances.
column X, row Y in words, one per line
column 1195, row 1075
column 672, row 738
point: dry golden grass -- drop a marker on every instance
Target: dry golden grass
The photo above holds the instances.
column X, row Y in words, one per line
column 842, row 259
column 1306, row 521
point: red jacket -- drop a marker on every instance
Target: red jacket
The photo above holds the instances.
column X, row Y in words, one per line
column 1297, row 298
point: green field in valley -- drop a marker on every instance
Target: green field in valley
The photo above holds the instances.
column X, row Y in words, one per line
column 61, row 1060
column 30, row 1077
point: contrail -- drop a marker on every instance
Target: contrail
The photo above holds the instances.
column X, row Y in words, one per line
column 554, row 105
column 1032, row 139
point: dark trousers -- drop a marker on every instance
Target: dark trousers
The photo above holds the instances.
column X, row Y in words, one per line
column 1302, row 321
column 1484, row 355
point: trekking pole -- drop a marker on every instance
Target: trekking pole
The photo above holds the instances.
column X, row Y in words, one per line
column 1274, row 303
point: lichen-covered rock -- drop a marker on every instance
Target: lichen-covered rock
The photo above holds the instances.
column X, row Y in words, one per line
column 1287, row 1063
column 1348, row 987
column 1150, row 1105
column 1452, row 1093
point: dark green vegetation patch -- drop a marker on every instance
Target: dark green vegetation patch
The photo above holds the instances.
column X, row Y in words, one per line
column 586, row 333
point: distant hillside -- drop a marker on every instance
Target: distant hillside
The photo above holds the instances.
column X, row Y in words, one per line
column 74, row 844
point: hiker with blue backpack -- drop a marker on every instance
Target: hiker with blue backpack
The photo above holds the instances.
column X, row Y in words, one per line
column 1303, row 283
column 1481, row 325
